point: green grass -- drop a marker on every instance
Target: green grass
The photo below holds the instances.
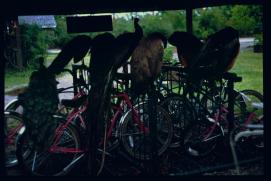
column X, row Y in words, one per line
column 15, row 78
column 249, row 66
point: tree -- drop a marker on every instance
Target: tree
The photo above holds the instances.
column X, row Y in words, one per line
column 121, row 25
column 247, row 19
column 34, row 44
column 61, row 34
column 209, row 21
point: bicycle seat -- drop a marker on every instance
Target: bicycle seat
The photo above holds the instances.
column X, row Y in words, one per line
column 73, row 103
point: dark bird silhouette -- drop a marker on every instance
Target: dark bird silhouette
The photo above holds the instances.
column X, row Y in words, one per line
column 220, row 51
column 75, row 49
column 126, row 44
column 188, row 46
column 102, row 56
column 147, row 60
column 109, row 52
column 40, row 101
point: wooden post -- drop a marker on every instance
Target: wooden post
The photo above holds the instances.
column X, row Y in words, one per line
column 266, row 75
column 19, row 57
column 2, row 68
column 189, row 15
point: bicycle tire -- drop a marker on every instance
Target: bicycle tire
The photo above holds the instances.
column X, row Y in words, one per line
column 250, row 97
column 138, row 145
column 49, row 164
column 182, row 115
column 195, row 143
column 209, row 101
column 13, row 124
column 14, row 105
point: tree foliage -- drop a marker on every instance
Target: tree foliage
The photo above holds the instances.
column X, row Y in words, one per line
column 34, row 44
column 247, row 19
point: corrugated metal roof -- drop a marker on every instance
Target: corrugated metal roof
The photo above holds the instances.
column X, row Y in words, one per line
column 41, row 21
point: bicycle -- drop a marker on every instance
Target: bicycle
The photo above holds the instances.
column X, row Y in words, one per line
column 183, row 100
column 131, row 131
column 13, row 124
column 189, row 109
column 77, row 151
column 254, row 118
column 201, row 139
column 66, row 140
column 14, row 110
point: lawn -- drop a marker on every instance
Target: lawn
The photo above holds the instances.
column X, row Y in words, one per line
column 14, row 78
column 248, row 65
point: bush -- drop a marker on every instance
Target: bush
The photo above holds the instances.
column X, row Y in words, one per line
column 258, row 43
column 258, row 39
column 34, row 44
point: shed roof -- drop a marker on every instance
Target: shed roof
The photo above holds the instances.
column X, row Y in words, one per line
column 41, row 21
column 47, row 7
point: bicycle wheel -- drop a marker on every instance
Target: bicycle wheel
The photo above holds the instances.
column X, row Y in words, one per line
column 13, row 124
column 181, row 114
column 253, row 102
column 219, row 101
column 15, row 106
column 135, row 132
column 201, row 138
column 46, row 162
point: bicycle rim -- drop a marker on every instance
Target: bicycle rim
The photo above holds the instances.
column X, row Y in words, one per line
column 137, row 143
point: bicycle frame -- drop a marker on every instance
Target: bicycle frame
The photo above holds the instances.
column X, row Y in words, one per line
column 76, row 112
